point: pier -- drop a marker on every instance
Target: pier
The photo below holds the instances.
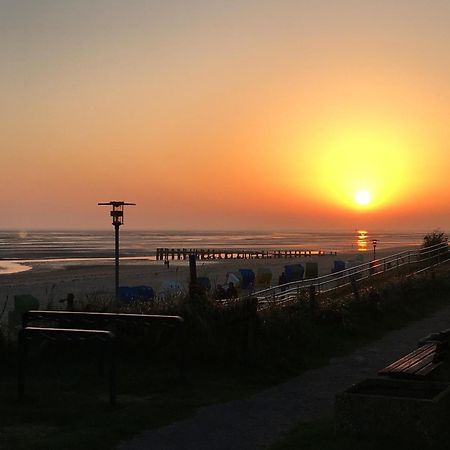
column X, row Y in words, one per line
column 163, row 254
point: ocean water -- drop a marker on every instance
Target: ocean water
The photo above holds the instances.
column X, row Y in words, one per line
column 36, row 245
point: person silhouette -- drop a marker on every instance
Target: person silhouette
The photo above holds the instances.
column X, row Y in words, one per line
column 231, row 292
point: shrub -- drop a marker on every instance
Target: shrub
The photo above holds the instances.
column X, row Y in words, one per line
column 434, row 238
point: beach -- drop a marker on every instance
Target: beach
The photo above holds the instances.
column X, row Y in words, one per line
column 51, row 280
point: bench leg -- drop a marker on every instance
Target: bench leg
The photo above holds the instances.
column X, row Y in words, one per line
column 181, row 351
column 112, row 372
column 22, row 359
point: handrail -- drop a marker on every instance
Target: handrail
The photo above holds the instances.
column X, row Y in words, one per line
column 326, row 283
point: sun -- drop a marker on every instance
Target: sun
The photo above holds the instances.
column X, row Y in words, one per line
column 363, row 198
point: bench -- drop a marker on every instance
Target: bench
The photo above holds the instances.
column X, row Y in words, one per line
column 118, row 323
column 418, row 364
column 103, row 328
column 105, row 338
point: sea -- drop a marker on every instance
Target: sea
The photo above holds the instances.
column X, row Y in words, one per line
column 44, row 245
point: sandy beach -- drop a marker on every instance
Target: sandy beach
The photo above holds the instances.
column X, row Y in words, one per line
column 52, row 280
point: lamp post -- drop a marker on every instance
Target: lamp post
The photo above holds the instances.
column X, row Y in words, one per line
column 374, row 243
column 117, row 220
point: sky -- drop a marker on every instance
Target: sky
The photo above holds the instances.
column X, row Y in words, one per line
column 226, row 114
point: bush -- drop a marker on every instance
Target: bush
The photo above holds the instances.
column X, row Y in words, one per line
column 434, row 238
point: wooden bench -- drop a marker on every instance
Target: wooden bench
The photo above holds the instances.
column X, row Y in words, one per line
column 418, row 364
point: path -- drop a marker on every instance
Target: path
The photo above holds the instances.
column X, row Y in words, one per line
column 260, row 420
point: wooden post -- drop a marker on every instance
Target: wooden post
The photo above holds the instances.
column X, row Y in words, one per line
column 312, row 300
column 354, row 286
column 251, row 306
column 193, row 274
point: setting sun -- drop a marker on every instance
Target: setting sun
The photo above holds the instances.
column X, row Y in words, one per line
column 363, row 198
column 363, row 162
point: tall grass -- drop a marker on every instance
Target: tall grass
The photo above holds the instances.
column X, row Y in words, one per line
column 295, row 336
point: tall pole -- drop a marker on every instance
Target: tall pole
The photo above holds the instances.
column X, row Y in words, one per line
column 116, row 228
column 117, row 220
column 374, row 243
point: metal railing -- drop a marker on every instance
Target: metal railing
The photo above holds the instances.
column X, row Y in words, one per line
column 425, row 257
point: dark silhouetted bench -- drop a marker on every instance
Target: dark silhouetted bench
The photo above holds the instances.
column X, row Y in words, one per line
column 418, row 364
column 118, row 323
column 105, row 338
column 103, row 328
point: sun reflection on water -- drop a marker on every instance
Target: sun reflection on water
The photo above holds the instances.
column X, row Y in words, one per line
column 362, row 241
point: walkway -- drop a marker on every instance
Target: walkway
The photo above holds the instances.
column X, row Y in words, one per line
column 260, row 420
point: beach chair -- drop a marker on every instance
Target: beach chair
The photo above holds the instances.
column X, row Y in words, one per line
column 136, row 293
column 263, row 278
column 339, row 266
column 125, row 294
column 170, row 289
column 235, row 278
column 311, row 270
column 144, row 293
column 248, row 278
column 294, row 272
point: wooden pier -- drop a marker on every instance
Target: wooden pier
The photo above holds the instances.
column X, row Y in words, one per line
column 163, row 254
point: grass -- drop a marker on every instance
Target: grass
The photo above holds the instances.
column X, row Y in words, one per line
column 66, row 404
column 321, row 435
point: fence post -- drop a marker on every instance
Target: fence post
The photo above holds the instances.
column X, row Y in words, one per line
column 181, row 344
column 193, row 274
column 251, row 306
column 354, row 286
column 112, row 369
column 312, row 300
column 22, row 356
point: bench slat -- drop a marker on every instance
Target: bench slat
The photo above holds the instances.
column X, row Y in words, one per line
column 407, row 359
column 421, row 364
column 427, row 369
column 422, row 359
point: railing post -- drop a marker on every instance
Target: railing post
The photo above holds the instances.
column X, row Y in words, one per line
column 181, row 344
column 112, row 370
column 354, row 286
column 312, row 300
column 252, row 311
column 193, row 274
column 22, row 357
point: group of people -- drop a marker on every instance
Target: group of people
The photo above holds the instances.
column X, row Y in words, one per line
column 222, row 293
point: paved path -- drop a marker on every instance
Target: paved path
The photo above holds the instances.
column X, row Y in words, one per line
column 260, row 420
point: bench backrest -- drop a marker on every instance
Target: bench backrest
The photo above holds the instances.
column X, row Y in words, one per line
column 98, row 320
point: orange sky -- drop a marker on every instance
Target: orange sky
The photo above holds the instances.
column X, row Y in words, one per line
column 226, row 115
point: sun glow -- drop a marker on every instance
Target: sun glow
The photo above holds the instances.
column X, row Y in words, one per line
column 363, row 165
column 363, row 198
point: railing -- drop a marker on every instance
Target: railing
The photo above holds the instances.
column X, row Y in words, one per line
column 427, row 257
